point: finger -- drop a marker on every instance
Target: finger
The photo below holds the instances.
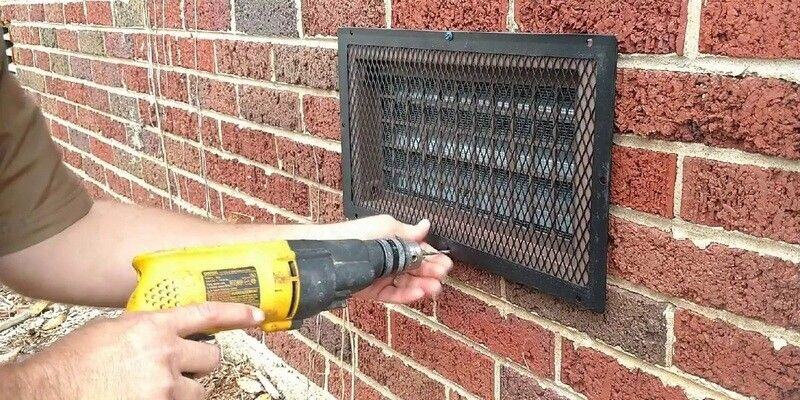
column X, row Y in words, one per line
column 413, row 232
column 394, row 294
column 430, row 286
column 197, row 358
column 433, row 268
column 188, row 389
column 211, row 317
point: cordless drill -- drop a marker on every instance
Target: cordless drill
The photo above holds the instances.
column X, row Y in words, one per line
column 289, row 280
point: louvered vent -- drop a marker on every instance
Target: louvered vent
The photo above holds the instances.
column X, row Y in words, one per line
column 501, row 140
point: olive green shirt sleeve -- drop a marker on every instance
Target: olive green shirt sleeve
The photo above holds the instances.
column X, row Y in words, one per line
column 39, row 195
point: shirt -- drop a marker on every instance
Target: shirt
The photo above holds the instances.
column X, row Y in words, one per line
column 39, row 195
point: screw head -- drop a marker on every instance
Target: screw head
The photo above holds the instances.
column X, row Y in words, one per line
column 448, row 36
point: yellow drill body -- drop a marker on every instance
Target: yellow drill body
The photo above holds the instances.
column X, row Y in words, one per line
column 288, row 280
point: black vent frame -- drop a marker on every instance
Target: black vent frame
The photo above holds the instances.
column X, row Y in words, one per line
column 408, row 97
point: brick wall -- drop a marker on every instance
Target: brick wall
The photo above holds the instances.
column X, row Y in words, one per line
column 228, row 109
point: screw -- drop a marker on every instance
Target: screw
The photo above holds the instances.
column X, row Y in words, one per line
column 589, row 42
column 448, row 36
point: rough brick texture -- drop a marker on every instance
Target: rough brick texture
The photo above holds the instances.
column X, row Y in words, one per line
column 456, row 15
column 739, row 281
column 746, row 362
column 757, row 201
column 660, row 32
column 751, row 28
column 632, row 322
column 515, row 386
column 752, row 114
column 600, row 377
column 322, row 17
column 391, row 372
column 643, row 180
column 248, row 59
column 443, row 354
column 322, row 117
column 306, row 66
column 267, row 17
column 523, row 341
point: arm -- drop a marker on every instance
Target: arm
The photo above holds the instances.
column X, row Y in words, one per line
column 90, row 262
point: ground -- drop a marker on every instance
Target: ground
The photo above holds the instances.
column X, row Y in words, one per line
column 238, row 378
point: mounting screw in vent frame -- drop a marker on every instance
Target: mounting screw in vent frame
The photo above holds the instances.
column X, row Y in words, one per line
column 448, row 36
column 589, row 42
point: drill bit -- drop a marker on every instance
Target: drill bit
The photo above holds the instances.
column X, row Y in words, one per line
column 427, row 253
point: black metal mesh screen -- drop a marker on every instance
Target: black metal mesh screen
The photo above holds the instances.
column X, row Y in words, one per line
column 495, row 149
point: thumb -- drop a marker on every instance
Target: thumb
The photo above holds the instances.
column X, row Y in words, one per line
column 212, row 317
column 416, row 232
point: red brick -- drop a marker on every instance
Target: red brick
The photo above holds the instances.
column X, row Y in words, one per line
column 522, row 341
column 307, row 66
column 179, row 122
column 331, row 336
column 119, row 45
column 173, row 86
column 256, row 145
column 67, row 40
column 310, row 162
column 600, row 377
column 94, row 169
column 401, row 379
column 325, row 206
column 136, row 78
column 165, row 14
column 95, row 192
column 144, row 197
column 743, row 361
column 752, row 114
column 342, row 385
column 140, row 46
column 469, row 15
column 424, row 305
column 324, row 18
column 208, row 15
column 660, row 32
column 59, row 131
column 643, row 180
column 210, row 131
column 237, row 211
column 73, row 13
column 739, row 281
column 41, row 60
column 756, row 201
column 749, row 28
column 474, row 276
column 102, row 150
column 369, row 316
column 216, row 95
column 106, row 73
column 118, row 184
column 98, row 13
column 54, row 12
column 454, row 360
column 80, row 68
column 322, row 117
column 270, row 107
column 23, row 56
column 195, row 193
column 24, row 34
column 183, row 52
column 147, row 112
column 515, row 386
column 183, row 155
column 298, row 355
column 246, row 59
column 36, row 12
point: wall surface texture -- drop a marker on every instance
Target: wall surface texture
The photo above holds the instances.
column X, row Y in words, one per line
column 228, row 109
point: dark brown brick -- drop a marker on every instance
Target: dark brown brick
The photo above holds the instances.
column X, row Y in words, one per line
column 748, row 28
column 753, row 114
column 743, row 361
column 631, row 321
column 369, row 316
column 311, row 162
column 256, row 145
column 474, row 276
column 515, row 386
column 453, row 359
column 739, row 281
column 216, row 95
column 661, row 31
column 469, row 15
column 322, row 117
column 267, row 17
column 332, row 337
column 401, row 379
column 306, row 66
column 248, row 59
column 643, row 180
column 324, row 18
column 757, row 201
column 525, row 342
column 270, row 107
column 599, row 376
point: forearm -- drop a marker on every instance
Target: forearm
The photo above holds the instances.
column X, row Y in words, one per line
column 29, row 380
column 90, row 262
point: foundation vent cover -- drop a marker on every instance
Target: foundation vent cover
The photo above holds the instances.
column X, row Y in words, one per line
column 501, row 140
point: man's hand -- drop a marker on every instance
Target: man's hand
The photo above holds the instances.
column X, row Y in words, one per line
column 408, row 286
column 136, row 356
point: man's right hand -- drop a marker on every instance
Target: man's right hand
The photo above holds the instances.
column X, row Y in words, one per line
column 135, row 356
